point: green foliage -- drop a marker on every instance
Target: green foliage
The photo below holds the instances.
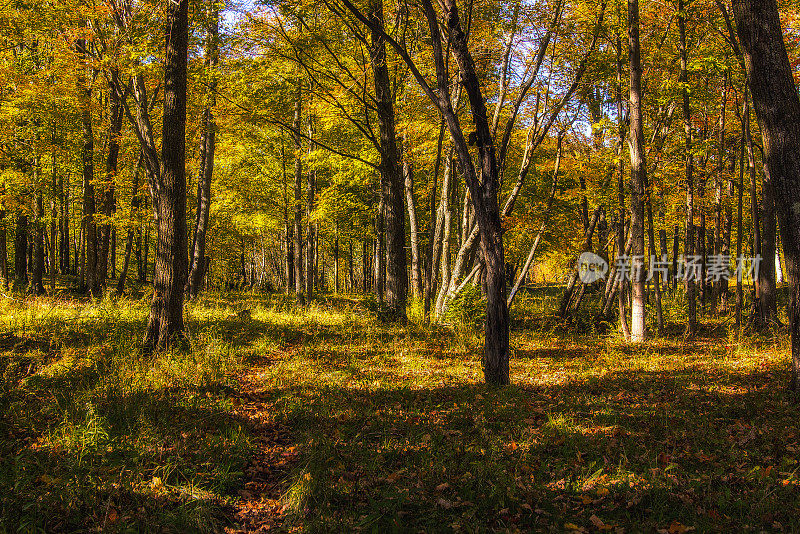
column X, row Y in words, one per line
column 467, row 310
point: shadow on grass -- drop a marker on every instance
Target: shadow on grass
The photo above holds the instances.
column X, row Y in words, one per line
column 639, row 449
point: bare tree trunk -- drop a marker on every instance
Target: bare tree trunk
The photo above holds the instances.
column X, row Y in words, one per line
column 63, row 224
column 675, row 250
column 336, row 261
column 165, row 323
column 364, row 267
column 3, row 249
column 688, row 249
column 566, row 297
column 109, row 186
column 755, row 212
column 89, row 226
column 130, row 237
column 391, row 170
column 656, row 274
column 288, row 225
column 545, row 219
column 447, row 225
column 53, row 225
column 21, row 252
column 350, row 270
column 310, row 231
column 768, row 308
column 620, row 171
column 638, row 177
column 416, row 264
column 197, row 261
column 37, row 273
column 298, row 196
column 430, row 267
column 739, row 226
column 438, row 225
column 778, row 111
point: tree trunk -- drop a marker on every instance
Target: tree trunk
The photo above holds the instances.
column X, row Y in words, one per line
column 336, row 261
column 675, row 250
column 620, row 171
column 37, row 272
column 53, row 225
column 433, row 232
column 638, row 177
column 165, row 323
column 739, row 226
column 298, row 196
column 89, row 227
column 416, row 264
column 777, row 108
column 311, row 178
column 109, row 186
column 566, row 297
column 197, row 262
column 3, row 249
column 130, row 237
column 21, row 252
column 767, row 305
column 364, row 266
column 391, row 171
column 688, row 249
column 545, row 219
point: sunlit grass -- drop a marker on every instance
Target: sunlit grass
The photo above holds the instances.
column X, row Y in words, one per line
column 393, row 425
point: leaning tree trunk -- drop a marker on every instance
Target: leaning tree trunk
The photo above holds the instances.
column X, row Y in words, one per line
column 131, row 231
column 165, row 324
column 197, row 262
column 777, row 108
column 483, row 192
column 638, row 176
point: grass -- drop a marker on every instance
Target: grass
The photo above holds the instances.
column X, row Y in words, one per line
column 388, row 427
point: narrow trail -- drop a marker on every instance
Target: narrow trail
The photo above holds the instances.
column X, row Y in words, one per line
column 259, row 508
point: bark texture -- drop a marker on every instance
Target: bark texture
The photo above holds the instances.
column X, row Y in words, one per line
column 777, row 109
column 165, row 324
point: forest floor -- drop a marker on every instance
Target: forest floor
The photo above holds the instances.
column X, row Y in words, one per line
column 327, row 420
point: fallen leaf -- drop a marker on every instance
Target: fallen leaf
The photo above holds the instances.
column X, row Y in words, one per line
column 596, row 521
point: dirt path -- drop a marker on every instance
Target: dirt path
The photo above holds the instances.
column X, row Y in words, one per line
column 259, row 508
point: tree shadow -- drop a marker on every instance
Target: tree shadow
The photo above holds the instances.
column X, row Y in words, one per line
column 639, row 449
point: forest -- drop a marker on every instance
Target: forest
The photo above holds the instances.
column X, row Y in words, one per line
column 411, row 266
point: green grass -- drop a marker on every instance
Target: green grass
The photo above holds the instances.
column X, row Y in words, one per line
column 392, row 427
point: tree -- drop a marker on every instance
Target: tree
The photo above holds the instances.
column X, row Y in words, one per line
column 392, row 181
column 638, row 176
column 197, row 262
column 483, row 190
column 691, row 318
column 165, row 323
column 777, row 106
column 89, row 225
